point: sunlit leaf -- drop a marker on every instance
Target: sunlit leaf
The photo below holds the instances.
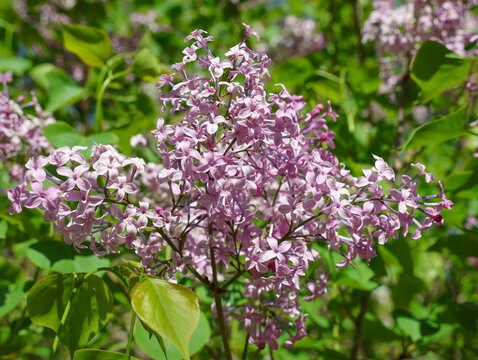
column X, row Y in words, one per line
column 170, row 310
column 91, row 45
column 60, row 257
column 151, row 346
column 435, row 69
column 438, row 129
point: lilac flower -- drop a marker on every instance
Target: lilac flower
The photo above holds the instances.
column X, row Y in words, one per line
column 35, row 168
column 45, row 199
column 122, row 187
column 257, row 196
column 17, row 197
column 276, row 251
column 74, row 177
column 217, row 67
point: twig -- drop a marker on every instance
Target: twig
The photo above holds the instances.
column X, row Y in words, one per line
column 359, row 323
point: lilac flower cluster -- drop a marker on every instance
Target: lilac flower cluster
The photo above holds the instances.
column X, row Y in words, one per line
column 247, row 186
column 398, row 31
column 20, row 132
column 298, row 37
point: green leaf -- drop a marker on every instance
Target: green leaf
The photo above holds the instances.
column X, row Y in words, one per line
column 60, row 257
column 102, row 138
column 91, row 45
column 438, row 129
column 61, row 88
column 62, row 134
column 62, row 91
column 293, row 73
column 374, row 330
column 151, row 346
column 170, row 310
column 436, row 69
column 466, row 314
column 17, row 65
column 9, row 273
column 461, row 245
column 10, row 296
column 363, row 80
column 40, row 73
column 91, row 308
column 407, row 286
column 408, row 324
column 145, row 65
column 463, row 184
column 94, row 354
column 358, row 278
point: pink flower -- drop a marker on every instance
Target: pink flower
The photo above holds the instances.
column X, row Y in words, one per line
column 35, row 168
column 276, row 251
column 45, row 199
column 74, row 177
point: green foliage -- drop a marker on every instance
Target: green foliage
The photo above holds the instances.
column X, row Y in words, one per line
column 92, row 354
column 145, row 65
column 91, row 45
column 438, row 129
column 62, row 258
column 170, row 310
column 10, row 296
column 89, row 303
column 18, row 65
column 61, row 134
column 61, row 89
column 436, row 69
column 151, row 346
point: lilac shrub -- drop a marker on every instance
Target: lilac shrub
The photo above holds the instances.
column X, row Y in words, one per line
column 244, row 187
column 298, row 37
column 399, row 30
column 21, row 133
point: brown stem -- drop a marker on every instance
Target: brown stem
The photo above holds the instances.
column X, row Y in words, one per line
column 361, row 51
column 216, row 290
column 358, row 324
column 402, row 116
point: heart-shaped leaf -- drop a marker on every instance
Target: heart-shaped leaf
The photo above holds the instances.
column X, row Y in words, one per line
column 170, row 310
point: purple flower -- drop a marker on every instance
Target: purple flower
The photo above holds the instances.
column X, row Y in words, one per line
column 74, row 177
column 45, row 199
column 276, row 251
column 35, row 168
column 16, row 196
